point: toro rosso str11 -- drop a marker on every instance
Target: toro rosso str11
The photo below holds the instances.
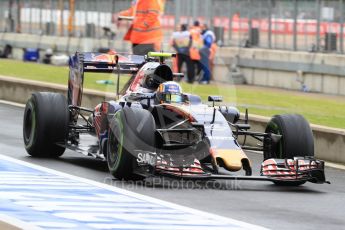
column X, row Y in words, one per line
column 154, row 129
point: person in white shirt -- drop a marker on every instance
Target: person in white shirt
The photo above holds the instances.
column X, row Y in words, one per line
column 182, row 41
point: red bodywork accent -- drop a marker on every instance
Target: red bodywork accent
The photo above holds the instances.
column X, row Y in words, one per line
column 179, row 111
column 287, row 169
column 136, row 82
column 163, row 166
column 98, row 119
column 105, row 58
column 110, row 58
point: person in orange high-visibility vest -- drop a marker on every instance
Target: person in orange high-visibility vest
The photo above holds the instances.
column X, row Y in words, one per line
column 197, row 44
column 145, row 33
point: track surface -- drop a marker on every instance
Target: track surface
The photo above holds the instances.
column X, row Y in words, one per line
column 306, row 207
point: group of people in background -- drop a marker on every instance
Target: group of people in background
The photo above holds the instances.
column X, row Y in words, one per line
column 195, row 47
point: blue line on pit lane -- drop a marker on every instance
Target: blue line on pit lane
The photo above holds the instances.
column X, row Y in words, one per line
column 53, row 201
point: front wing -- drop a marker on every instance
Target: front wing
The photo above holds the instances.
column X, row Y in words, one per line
column 275, row 170
column 297, row 169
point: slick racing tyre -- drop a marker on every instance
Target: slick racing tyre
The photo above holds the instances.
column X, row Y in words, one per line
column 131, row 130
column 297, row 139
column 45, row 124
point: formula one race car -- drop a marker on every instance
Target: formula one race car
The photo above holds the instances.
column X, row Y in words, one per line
column 154, row 129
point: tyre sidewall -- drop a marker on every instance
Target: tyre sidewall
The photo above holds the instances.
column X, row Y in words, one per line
column 124, row 128
column 30, row 110
column 50, row 117
column 297, row 138
column 296, row 141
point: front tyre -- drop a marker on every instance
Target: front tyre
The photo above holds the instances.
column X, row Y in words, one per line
column 297, row 139
column 45, row 124
column 131, row 130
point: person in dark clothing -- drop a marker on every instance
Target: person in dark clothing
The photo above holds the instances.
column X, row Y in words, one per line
column 205, row 51
column 142, row 49
column 6, row 52
column 182, row 41
column 205, row 64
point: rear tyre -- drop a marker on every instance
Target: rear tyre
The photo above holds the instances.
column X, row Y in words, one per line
column 45, row 125
column 131, row 129
column 297, row 139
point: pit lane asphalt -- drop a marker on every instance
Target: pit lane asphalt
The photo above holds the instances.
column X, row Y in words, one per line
column 309, row 206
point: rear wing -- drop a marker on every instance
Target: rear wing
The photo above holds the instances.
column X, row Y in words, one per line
column 96, row 62
column 80, row 63
column 106, row 63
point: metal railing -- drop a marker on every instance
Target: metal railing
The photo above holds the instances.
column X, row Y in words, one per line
column 301, row 25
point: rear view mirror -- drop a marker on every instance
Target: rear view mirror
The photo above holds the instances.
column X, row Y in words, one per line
column 215, row 98
column 179, row 75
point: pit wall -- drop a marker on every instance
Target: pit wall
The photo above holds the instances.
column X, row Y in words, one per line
column 319, row 72
column 329, row 142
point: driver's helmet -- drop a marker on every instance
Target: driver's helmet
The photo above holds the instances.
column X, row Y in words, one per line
column 169, row 92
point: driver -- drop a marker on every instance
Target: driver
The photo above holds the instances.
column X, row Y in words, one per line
column 169, row 92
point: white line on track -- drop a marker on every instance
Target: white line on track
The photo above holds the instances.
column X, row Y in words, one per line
column 334, row 165
column 131, row 194
column 12, row 103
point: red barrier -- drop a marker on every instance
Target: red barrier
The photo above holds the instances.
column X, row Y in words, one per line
column 279, row 26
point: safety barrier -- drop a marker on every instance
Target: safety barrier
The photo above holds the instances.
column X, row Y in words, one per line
column 315, row 72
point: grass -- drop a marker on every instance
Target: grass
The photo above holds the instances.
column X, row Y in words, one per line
column 317, row 108
column 54, row 74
